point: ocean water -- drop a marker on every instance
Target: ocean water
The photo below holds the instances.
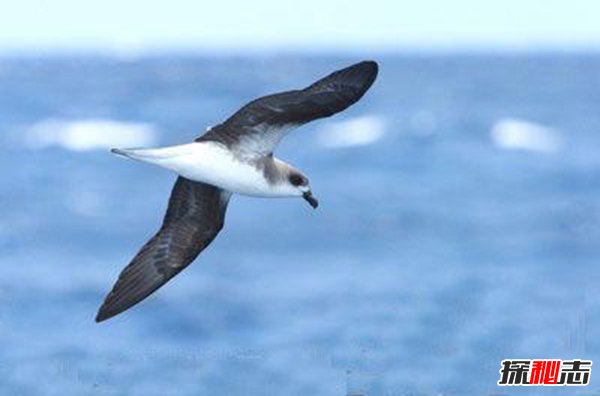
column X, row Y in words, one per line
column 459, row 226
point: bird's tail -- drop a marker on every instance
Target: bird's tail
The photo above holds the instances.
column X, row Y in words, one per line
column 137, row 153
column 154, row 155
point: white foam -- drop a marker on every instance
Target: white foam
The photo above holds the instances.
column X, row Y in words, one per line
column 516, row 134
column 356, row 131
column 89, row 134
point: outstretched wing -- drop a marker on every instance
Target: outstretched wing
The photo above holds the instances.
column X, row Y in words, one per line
column 259, row 126
column 194, row 218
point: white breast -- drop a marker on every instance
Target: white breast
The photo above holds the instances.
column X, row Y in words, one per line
column 210, row 163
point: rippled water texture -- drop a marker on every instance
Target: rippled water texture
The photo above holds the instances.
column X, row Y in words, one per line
column 458, row 226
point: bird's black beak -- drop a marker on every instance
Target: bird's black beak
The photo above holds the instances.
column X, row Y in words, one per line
column 312, row 201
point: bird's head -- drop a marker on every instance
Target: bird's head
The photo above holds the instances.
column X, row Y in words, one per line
column 300, row 184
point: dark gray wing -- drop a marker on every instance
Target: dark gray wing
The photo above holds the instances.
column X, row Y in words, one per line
column 259, row 126
column 194, row 218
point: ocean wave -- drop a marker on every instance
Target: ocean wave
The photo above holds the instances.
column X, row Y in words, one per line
column 89, row 134
column 356, row 131
column 517, row 134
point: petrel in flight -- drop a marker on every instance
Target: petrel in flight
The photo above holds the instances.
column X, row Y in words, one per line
column 233, row 157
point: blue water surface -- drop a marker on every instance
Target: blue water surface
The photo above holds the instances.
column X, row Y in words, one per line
column 435, row 254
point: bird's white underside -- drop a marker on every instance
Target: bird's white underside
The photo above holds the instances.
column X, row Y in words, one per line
column 212, row 163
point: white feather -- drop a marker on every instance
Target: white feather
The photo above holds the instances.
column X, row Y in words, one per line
column 211, row 163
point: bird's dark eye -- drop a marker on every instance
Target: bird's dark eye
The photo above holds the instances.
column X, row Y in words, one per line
column 297, row 180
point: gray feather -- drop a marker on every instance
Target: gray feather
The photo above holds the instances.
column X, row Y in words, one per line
column 194, row 217
column 259, row 126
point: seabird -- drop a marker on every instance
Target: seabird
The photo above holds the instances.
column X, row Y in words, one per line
column 233, row 157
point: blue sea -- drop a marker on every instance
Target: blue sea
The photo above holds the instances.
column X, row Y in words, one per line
column 459, row 226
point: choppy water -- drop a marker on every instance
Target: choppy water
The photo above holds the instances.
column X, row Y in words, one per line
column 439, row 249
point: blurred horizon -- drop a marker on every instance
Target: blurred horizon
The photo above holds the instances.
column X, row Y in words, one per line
column 124, row 54
column 265, row 27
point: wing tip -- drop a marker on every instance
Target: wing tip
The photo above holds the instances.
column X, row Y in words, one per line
column 102, row 315
column 359, row 75
column 370, row 68
column 120, row 299
column 369, row 64
column 105, row 312
column 116, row 302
